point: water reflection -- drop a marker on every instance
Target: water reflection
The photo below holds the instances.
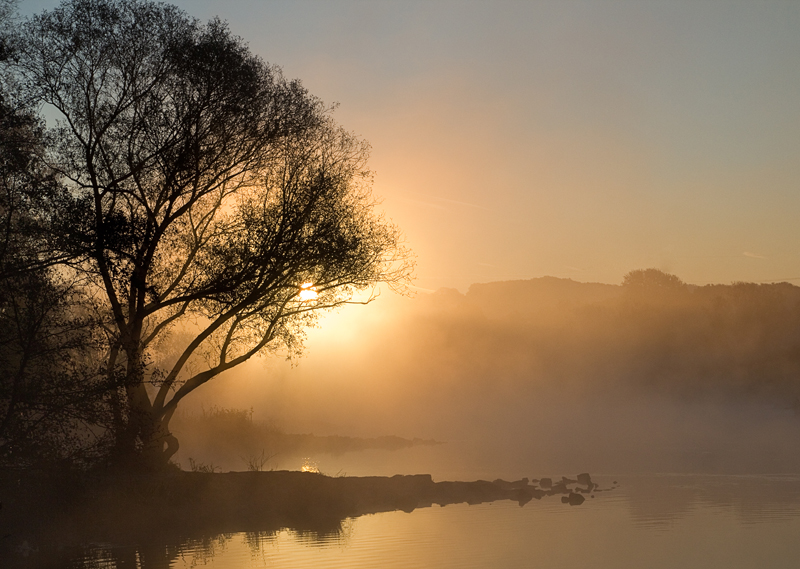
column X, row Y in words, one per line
column 150, row 522
column 658, row 501
column 649, row 521
column 653, row 521
column 191, row 552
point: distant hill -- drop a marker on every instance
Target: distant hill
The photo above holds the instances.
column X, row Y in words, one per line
column 653, row 331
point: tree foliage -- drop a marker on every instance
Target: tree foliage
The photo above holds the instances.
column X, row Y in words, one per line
column 203, row 192
column 50, row 396
column 651, row 280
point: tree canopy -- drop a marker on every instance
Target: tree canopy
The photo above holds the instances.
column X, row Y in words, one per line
column 205, row 202
column 651, row 279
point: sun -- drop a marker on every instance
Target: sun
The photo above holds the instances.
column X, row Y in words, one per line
column 308, row 292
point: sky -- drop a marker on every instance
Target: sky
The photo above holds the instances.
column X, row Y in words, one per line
column 583, row 140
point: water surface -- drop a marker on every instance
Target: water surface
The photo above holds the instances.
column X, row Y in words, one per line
column 652, row 521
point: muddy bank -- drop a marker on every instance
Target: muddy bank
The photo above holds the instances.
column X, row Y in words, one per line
column 44, row 513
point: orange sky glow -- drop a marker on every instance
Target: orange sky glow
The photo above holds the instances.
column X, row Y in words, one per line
column 513, row 140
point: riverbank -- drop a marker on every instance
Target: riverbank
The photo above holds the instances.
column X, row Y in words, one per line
column 186, row 502
column 66, row 511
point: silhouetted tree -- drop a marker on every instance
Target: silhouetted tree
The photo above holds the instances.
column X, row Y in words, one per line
column 651, row 280
column 50, row 401
column 209, row 196
column 7, row 16
column 52, row 398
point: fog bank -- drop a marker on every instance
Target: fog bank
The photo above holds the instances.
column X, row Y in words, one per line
column 654, row 375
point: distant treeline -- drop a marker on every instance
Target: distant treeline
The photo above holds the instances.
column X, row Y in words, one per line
column 230, row 439
column 653, row 330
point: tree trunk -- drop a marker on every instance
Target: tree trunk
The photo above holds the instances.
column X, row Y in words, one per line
column 145, row 443
column 143, row 440
column 159, row 444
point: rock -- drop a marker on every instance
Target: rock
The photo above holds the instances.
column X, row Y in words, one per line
column 573, row 499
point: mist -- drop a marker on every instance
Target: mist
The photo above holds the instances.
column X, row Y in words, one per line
column 650, row 376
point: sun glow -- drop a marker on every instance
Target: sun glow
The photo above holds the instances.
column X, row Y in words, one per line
column 309, row 466
column 308, row 292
